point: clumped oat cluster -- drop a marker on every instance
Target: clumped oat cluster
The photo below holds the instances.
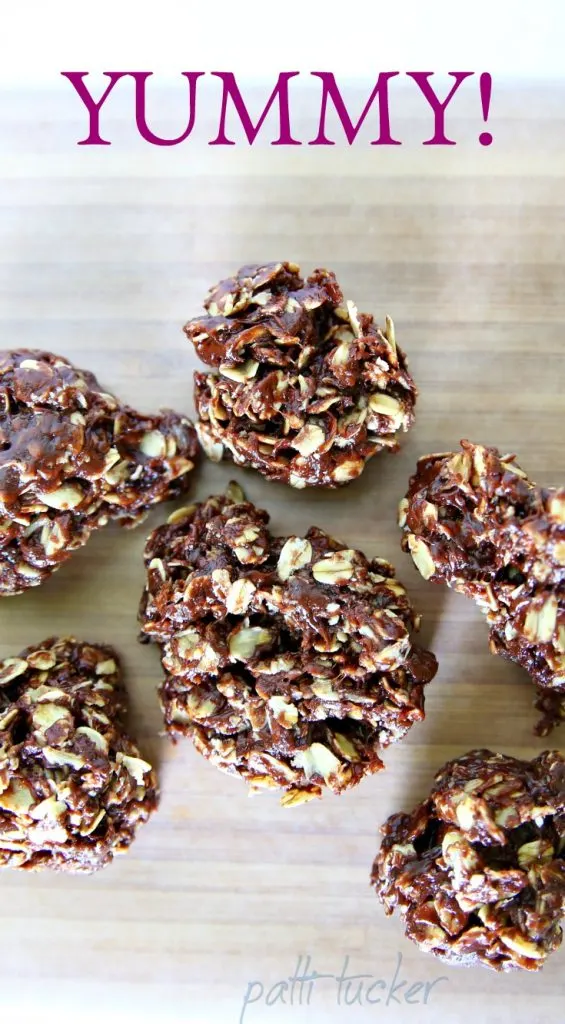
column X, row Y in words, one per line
column 73, row 786
column 288, row 660
column 473, row 520
column 73, row 457
column 477, row 870
column 307, row 389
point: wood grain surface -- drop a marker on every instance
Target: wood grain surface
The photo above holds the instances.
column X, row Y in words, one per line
column 104, row 254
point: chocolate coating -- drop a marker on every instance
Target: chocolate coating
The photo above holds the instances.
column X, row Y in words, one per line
column 289, row 660
column 477, row 870
column 473, row 520
column 73, row 787
column 308, row 389
column 72, row 458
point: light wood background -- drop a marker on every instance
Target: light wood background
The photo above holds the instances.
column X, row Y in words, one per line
column 104, row 254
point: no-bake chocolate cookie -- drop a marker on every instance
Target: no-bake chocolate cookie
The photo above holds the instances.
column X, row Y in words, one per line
column 71, row 458
column 477, row 870
column 73, row 786
column 289, row 660
column 307, row 389
column 473, row 520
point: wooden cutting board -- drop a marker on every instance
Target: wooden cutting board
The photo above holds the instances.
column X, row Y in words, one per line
column 104, row 254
